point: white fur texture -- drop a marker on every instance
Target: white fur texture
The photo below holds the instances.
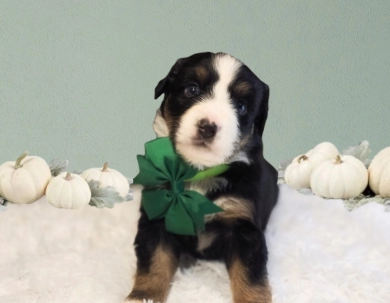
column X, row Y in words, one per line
column 217, row 109
column 318, row 252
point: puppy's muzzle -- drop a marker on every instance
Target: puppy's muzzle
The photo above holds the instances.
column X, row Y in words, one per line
column 207, row 130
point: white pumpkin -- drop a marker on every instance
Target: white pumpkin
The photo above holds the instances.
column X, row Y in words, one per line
column 341, row 178
column 298, row 173
column 108, row 177
column 68, row 191
column 379, row 173
column 24, row 181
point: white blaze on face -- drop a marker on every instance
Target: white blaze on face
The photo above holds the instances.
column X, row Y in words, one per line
column 218, row 109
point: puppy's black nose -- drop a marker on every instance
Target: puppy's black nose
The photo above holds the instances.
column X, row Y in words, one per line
column 206, row 129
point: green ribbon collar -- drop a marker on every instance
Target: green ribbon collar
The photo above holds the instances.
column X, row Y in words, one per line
column 183, row 210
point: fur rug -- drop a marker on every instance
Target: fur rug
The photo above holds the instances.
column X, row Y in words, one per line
column 318, row 252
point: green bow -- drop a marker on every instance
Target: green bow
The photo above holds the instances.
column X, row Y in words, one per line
column 183, row 210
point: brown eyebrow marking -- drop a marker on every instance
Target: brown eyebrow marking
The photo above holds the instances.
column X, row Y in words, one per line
column 242, row 88
column 201, row 72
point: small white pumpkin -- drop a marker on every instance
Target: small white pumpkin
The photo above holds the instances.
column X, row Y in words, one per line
column 24, row 181
column 108, row 177
column 341, row 178
column 298, row 173
column 379, row 173
column 68, row 191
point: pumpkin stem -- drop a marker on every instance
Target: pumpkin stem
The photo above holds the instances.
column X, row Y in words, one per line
column 68, row 176
column 303, row 157
column 338, row 160
column 20, row 159
column 105, row 167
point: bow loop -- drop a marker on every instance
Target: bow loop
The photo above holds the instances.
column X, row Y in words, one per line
column 183, row 210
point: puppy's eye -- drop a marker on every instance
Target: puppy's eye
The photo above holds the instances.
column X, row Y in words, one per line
column 192, row 90
column 241, row 107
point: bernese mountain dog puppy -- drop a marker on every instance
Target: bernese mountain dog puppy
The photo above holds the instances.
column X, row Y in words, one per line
column 214, row 110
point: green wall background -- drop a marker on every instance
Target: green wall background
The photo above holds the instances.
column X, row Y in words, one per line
column 77, row 77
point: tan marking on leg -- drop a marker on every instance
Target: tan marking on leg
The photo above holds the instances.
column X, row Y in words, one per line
column 155, row 284
column 245, row 292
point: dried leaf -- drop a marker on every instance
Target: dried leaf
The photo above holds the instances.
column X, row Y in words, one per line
column 306, row 191
column 282, row 169
column 58, row 166
column 361, row 199
column 283, row 165
column 103, row 197
column 360, row 151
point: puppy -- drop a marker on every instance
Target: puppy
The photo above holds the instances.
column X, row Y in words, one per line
column 214, row 110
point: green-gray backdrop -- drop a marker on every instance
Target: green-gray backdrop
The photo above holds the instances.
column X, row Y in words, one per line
column 77, row 77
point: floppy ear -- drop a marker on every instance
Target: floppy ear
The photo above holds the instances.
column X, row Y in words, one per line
column 164, row 84
column 263, row 111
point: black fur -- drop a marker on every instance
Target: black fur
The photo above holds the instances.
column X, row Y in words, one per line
column 242, row 238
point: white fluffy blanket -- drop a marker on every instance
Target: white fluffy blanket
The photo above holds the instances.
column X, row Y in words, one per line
column 318, row 252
